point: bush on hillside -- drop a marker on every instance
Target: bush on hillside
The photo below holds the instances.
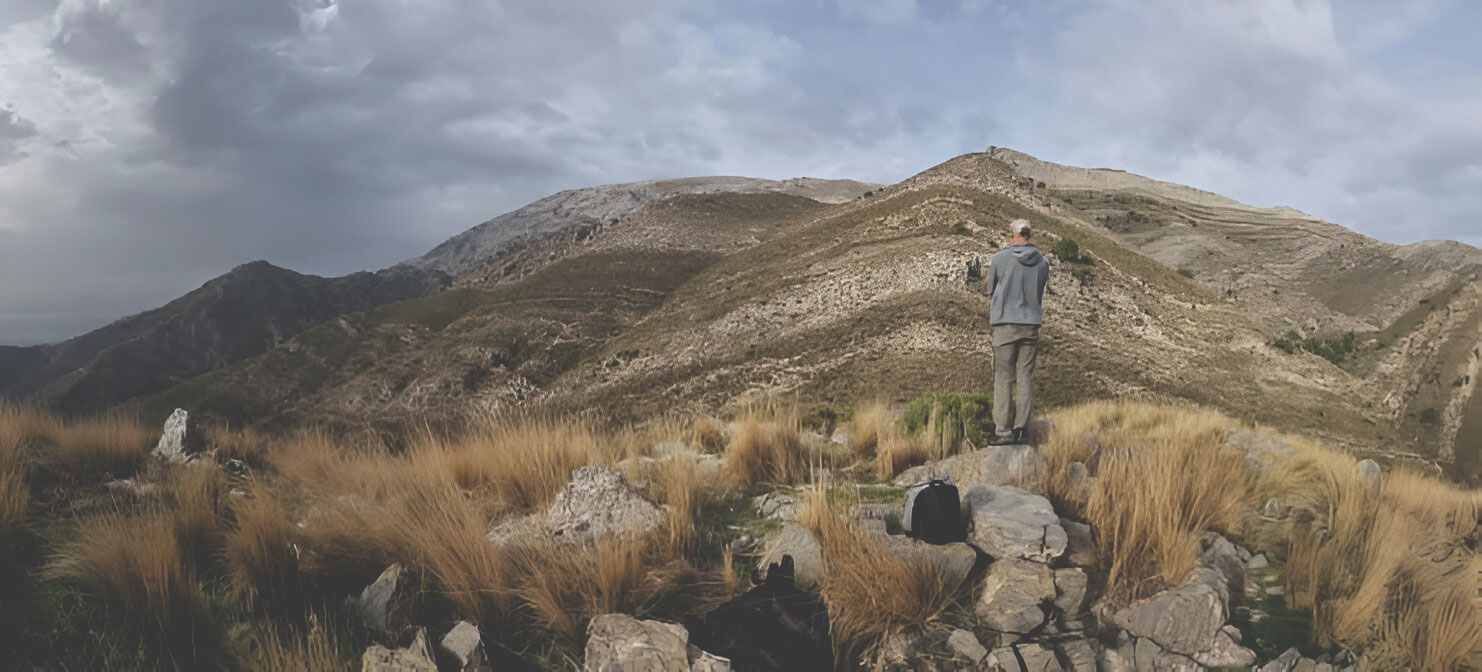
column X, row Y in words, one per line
column 1069, row 251
column 951, row 417
column 1334, row 350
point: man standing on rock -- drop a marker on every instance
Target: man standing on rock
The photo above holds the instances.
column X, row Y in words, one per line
column 1016, row 282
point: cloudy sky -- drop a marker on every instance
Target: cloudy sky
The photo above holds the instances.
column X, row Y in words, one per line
column 149, row 145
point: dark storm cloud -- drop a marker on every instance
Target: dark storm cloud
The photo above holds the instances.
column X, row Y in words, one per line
column 149, row 145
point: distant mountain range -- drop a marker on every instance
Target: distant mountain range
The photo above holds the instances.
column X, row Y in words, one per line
column 623, row 302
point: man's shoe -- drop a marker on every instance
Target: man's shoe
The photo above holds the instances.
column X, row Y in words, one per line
column 1020, row 434
column 1002, row 440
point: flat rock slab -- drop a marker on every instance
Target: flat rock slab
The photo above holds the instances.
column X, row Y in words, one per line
column 995, row 465
column 1011, row 523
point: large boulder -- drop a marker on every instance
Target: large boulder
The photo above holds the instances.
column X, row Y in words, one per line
column 414, row 657
column 995, row 465
column 1015, row 596
column 599, row 503
column 1189, row 618
column 954, row 563
column 172, row 441
column 807, row 555
column 1011, row 523
column 621, row 643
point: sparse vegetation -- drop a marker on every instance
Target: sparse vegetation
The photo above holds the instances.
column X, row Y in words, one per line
column 1335, row 350
column 163, row 576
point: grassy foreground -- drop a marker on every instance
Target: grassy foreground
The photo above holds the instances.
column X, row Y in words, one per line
column 194, row 565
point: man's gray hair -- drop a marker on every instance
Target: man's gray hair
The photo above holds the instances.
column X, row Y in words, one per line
column 1020, row 227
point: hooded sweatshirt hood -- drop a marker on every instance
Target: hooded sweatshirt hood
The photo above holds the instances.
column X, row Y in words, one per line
column 1026, row 254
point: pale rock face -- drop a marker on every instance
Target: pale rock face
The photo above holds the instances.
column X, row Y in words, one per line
column 807, row 555
column 1036, row 658
column 1372, row 476
column 416, row 657
column 776, row 506
column 377, row 602
column 598, row 503
column 466, row 645
column 1013, row 595
column 171, row 445
column 1070, row 591
column 1011, row 523
column 995, row 465
column 620, row 643
column 966, row 645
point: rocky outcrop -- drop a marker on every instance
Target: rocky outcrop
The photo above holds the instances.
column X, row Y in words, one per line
column 620, row 643
column 598, row 503
column 995, row 465
column 1189, row 619
column 1011, row 523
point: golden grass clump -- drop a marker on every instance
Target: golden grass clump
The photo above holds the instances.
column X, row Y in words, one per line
column 261, row 553
column 242, row 444
column 15, row 492
column 1161, row 479
column 872, row 423
column 112, row 443
column 515, row 464
column 767, row 446
column 197, row 509
column 1392, row 575
column 133, row 567
column 869, row 590
column 316, row 648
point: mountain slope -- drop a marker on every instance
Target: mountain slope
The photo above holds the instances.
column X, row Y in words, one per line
column 1416, row 309
column 693, row 301
column 237, row 315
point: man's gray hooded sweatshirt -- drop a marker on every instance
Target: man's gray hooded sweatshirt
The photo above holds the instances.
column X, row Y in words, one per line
column 1016, row 279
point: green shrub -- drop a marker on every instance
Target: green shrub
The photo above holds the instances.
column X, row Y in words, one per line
column 952, row 416
column 1069, row 251
column 1334, row 350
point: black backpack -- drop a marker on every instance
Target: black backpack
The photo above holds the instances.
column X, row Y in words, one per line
column 774, row 627
column 934, row 513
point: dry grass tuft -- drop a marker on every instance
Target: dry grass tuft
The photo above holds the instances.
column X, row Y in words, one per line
column 869, row 590
column 112, row 443
column 518, row 465
column 195, row 504
column 873, row 422
column 1161, row 479
column 898, row 451
column 1392, row 575
column 260, row 552
column 133, row 567
column 432, row 529
column 767, row 446
column 316, row 649
column 15, row 492
column 242, row 444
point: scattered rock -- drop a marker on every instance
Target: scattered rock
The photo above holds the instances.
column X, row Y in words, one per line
column 1147, row 656
column 1189, row 618
column 966, row 646
column 1036, row 658
column 1080, row 546
column 1285, row 662
column 1079, row 655
column 1258, row 561
column 1014, row 595
column 807, row 555
column 1275, row 509
column 598, row 503
column 620, row 643
column 466, row 646
column 380, row 603
column 776, row 506
column 1372, row 476
column 415, row 657
column 171, row 445
column 1079, row 477
column 995, row 465
column 1011, row 523
column 842, row 436
column 743, row 545
column 1070, row 591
